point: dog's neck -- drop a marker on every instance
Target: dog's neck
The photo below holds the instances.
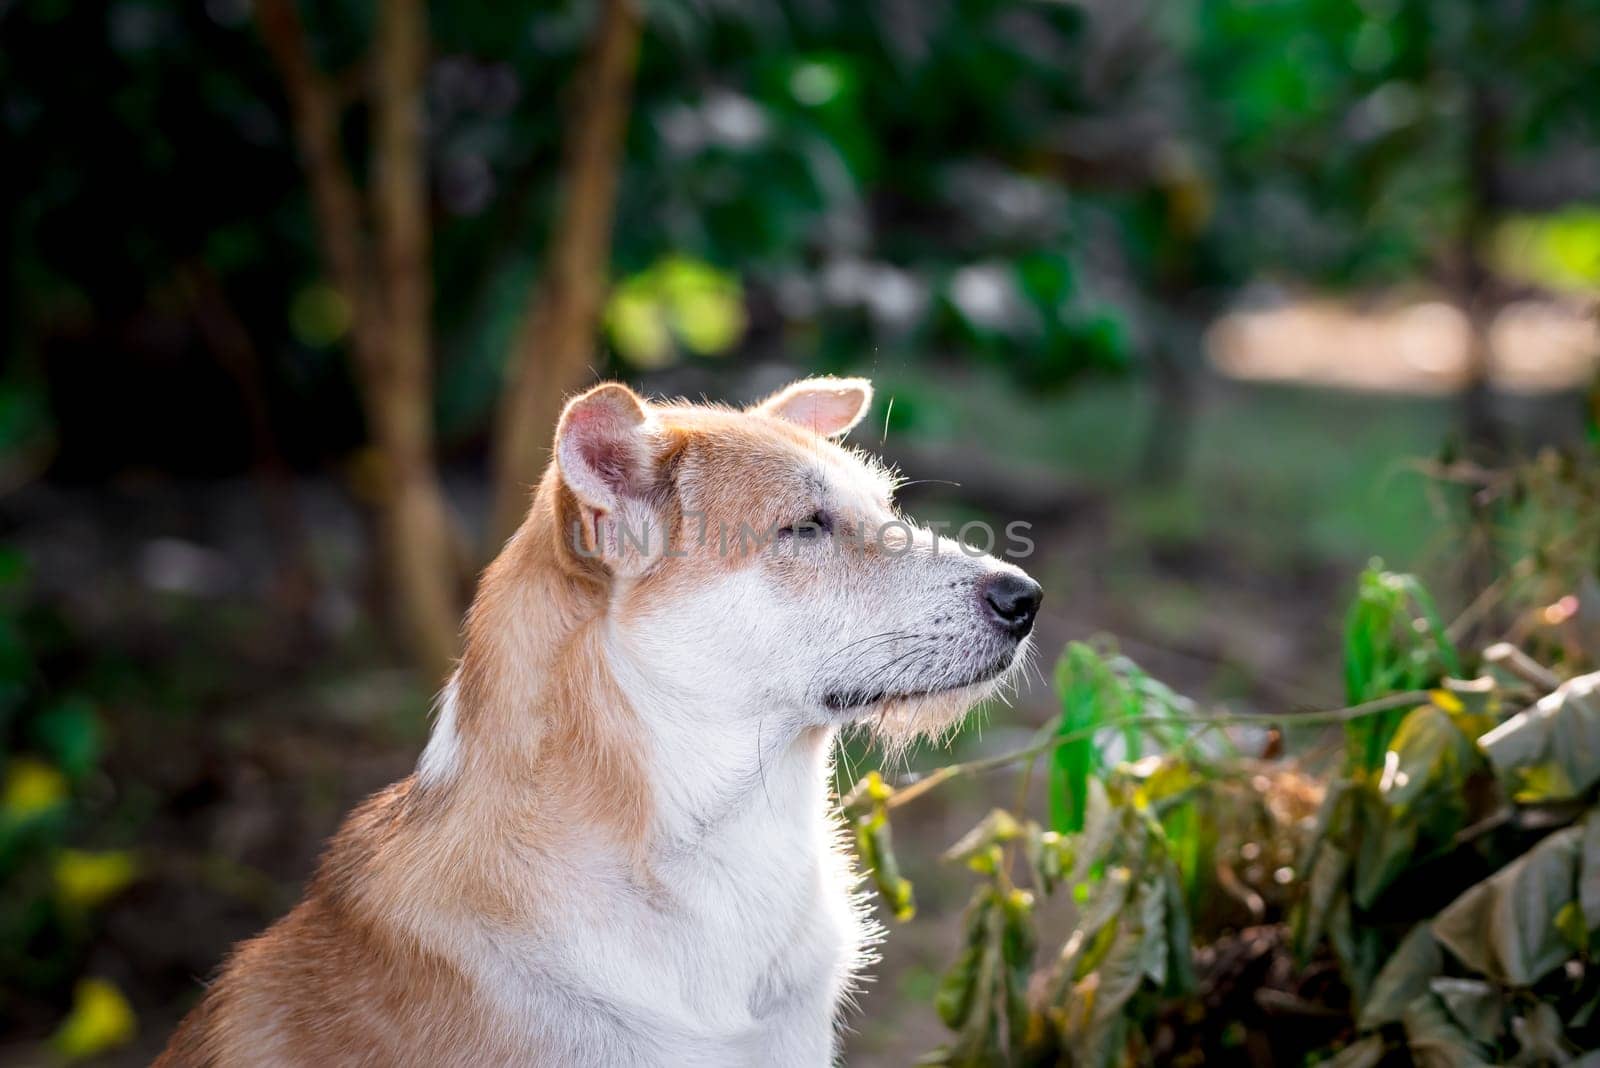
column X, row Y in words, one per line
column 551, row 720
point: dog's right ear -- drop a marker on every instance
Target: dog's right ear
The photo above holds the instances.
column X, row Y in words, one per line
column 603, row 451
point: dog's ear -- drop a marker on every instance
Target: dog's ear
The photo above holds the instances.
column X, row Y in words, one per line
column 604, row 452
column 826, row 406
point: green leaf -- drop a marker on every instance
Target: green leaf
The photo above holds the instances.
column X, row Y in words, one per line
column 1589, row 872
column 1082, row 681
column 1428, row 761
column 1403, row 979
column 1179, row 938
column 1476, row 1006
column 1104, row 905
column 1505, row 926
column 1434, row 1039
column 1325, row 884
column 1539, row 1036
column 1388, row 843
column 1385, row 652
column 70, row 732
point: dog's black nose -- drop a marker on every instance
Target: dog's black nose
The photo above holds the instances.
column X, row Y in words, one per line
column 1013, row 601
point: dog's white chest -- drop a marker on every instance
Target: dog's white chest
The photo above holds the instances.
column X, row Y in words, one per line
column 743, row 946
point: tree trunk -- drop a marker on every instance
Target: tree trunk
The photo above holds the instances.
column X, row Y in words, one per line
column 420, row 545
column 390, row 296
column 555, row 344
column 1477, row 297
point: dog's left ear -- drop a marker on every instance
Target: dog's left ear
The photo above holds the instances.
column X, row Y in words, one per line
column 604, row 451
column 826, row 406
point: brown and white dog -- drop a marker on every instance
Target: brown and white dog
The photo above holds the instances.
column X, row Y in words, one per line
column 618, row 847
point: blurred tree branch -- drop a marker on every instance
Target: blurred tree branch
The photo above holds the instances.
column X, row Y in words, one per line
column 555, row 344
column 385, row 278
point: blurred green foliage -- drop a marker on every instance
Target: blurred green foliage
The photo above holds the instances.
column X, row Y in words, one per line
column 1452, row 884
column 51, row 744
column 1015, row 183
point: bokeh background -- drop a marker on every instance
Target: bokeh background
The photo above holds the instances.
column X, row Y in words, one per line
column 1210, row 293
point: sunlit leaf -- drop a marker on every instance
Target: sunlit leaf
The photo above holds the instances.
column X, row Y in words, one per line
column 319, row 315
column 1561, row 731
column 875, row 845
column 32, row 787
column 637, row 325
column 101, row 1019
column 84, row 879
column 998, row 826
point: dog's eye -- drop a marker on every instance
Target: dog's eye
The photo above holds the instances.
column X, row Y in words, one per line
column 815, row 525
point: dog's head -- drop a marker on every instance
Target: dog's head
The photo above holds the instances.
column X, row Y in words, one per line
column 753, row 561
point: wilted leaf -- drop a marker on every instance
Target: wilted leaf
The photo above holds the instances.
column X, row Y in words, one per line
column 1561, row 731
column 875, row 843
column 1099, row 1025
column 1152, row 913
column 998, row 826
column 1101, row 826
column 1047, row 855
column 1104, row 904
column 1505, row 926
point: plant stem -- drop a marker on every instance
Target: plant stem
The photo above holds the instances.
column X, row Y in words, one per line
column 1374, row 707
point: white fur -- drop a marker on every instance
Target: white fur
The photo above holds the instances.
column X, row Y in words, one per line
column 442, row 755
column 750, row 934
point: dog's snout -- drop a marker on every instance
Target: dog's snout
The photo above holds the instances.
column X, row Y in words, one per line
column 1013, row 601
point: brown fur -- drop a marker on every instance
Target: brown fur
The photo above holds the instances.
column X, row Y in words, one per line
column 343, row 979
column 349, row 977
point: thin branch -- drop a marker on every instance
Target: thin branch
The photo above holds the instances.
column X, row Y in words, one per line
column 556, row 340
column 400, row 216
column 314, row 117
column 1520, row 664
column 915, row 790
